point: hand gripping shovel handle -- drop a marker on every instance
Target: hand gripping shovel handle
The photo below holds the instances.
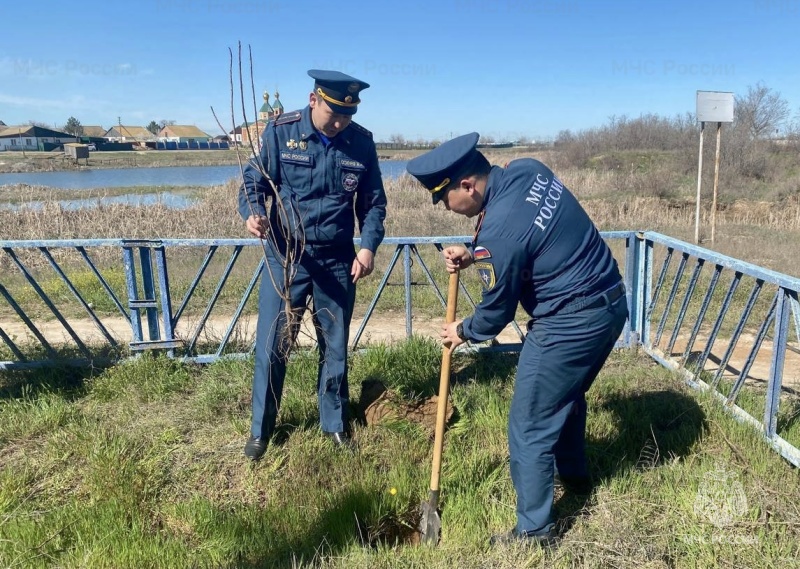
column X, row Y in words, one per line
column 430, row 515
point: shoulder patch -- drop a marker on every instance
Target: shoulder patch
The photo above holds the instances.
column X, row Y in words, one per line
column 358, row 128
column 481, row 253
column 287, row 118
column 486, row 272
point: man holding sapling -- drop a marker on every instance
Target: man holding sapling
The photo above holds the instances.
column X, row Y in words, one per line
column 324, row 169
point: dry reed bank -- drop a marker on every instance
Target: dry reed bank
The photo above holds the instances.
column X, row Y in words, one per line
column 758, row 221
column 630, row 174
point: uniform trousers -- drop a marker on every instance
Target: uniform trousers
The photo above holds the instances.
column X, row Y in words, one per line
column 322, row 273
column 561, row 357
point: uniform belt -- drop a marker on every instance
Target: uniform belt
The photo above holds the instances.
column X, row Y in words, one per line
column 608, row 297
column 324, row 248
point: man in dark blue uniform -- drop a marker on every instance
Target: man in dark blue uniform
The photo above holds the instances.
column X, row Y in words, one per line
column 534, row 245
column 325, row 170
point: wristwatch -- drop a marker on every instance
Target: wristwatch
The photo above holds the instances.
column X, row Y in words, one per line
column 460, row 331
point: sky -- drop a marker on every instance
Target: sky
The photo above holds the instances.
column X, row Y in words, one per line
column 506, row 68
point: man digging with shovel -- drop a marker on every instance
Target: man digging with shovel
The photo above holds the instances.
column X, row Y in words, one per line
column 534, row 245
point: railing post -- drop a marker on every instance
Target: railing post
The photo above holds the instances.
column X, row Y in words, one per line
column 776, row 365
column 149, row 303
column 407, row 285
column 149, row 291
column 133, row 294
column 647, row 290
column 637, row 278
column 164, row 293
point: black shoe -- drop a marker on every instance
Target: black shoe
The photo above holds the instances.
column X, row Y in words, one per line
column 341, row 440
column 513, row 537
column 255, row 447
column 581, row 485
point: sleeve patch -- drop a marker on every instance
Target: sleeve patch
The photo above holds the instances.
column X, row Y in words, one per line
column 486, row 272
column 481, row 253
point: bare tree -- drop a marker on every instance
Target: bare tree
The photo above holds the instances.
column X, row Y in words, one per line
column 287, row 219
column 762, row 111
column 793, row 132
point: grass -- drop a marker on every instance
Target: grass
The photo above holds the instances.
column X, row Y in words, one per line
column 140, row 465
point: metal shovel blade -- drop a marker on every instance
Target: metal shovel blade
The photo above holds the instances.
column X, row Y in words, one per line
column 430, row 525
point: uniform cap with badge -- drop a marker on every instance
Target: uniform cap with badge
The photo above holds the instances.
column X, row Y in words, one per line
column 440, row 167
column 338, row 89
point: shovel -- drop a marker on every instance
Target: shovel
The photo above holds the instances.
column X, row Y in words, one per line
column 430, row 525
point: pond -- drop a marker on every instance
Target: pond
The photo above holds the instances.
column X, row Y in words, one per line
column 166, row 176
column 192, row 176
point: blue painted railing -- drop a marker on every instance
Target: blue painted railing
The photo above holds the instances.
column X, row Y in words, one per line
column 742, row 347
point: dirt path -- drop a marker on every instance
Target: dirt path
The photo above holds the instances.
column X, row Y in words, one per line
column 386, row 327
column 760, row 367
column 389, row 327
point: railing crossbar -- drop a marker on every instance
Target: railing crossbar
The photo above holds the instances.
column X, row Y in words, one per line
column 239, row 309
column 78, row 297
column 49, row 303
column 701, row 316
column 195, row 282
column 214, row 297
column 751, row 356
column 748, row 309
column 698, row 267
column 671, row 299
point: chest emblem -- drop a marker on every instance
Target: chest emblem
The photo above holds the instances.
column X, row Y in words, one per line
column 302, row 145
column 350, row 182
column 291, row 143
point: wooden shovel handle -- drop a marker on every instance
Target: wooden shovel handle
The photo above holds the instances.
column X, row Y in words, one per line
column 444, row 387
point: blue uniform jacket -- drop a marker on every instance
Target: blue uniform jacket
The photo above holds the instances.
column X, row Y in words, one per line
column 323, row 186
column 535, row 245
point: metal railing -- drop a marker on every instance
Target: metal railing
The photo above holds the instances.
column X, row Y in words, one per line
column 729, row 327
column 69, row 302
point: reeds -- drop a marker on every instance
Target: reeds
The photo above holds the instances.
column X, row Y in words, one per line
column 616, row 200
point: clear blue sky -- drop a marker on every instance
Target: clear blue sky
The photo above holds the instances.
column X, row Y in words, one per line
column 505, row 68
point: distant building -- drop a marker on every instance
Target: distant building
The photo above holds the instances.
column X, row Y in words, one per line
column 76, row 151
column 266, row 113
column 122, row 133
column 182, row 133
column 94, row 131
column 30, row 137
column 236, row 135
column 2, row 125
column 252, row 132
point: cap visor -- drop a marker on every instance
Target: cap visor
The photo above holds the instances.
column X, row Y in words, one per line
column 339, row 110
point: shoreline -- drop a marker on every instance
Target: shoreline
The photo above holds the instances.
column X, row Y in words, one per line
column 35, row 162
